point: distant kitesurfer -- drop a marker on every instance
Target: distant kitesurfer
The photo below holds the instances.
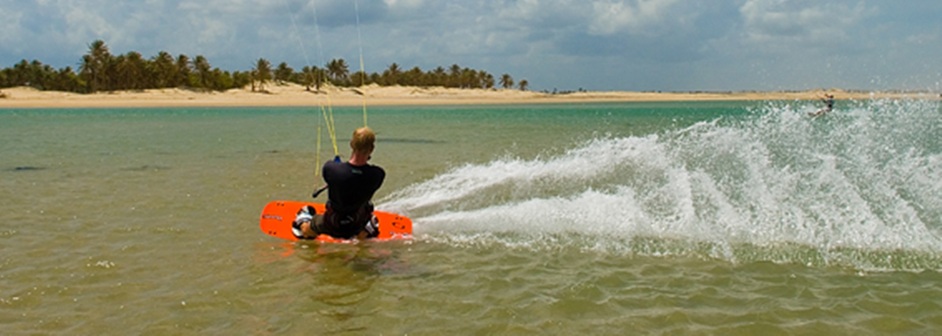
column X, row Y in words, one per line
column 828, row 100
column 351, row 187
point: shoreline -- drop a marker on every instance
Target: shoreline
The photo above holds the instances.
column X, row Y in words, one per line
column 291, row 95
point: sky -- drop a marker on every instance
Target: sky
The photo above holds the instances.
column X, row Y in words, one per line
column 634, row 45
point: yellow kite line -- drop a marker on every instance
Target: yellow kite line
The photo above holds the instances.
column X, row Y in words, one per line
column 327, row 110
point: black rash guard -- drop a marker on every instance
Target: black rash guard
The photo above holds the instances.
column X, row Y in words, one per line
column 348, row 197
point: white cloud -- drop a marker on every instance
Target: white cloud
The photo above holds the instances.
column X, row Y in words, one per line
column 602, row 44
column 604, row 17
column 86, row 23
column 611, row 17
column 774, row 22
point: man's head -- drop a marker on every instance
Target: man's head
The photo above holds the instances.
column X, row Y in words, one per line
column 363, row 141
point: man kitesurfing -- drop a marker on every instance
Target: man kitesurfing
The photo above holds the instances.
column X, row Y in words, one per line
column 828, row 100
column 348, row 213
column 351, row 186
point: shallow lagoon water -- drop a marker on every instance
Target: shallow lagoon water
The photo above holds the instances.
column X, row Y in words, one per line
column 692, row 218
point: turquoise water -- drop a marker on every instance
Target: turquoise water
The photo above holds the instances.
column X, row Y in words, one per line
column 692, row 218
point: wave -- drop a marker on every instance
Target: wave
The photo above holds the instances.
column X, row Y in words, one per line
column 859, row 186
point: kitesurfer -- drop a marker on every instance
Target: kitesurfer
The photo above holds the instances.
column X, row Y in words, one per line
column 351, row 186
column 828, row 100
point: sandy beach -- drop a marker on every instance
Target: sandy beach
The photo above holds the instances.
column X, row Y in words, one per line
column 296, row 95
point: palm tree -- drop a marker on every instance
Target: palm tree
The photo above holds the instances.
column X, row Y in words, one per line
column 306, row 77
column 241, row 79
column 359, row 78
column 203, row 71
column 94, row 66
column 19, row 76
column 506, row 81
column 66, row 80
column 488, row 81
column 338, row 70
column 470, row 79
column 164, row 70
column 33, row 74
column 99, row 71
column 415, row 77
column 313, row 76
column 130, row 71
column 438, row 76
column 477, row 79
column 283, row 73
column 391, row 75
column 183, row 71
column 454, row 76
column 222, row 80
column 262, row 73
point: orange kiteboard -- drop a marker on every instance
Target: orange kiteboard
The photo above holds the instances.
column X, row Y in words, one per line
column 277, row 217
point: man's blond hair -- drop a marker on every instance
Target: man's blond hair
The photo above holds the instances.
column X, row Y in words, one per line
column 363, row 140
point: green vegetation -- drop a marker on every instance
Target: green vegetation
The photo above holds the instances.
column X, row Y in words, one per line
column 100, row 70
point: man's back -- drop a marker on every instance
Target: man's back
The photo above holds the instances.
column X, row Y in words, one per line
column 351, row 187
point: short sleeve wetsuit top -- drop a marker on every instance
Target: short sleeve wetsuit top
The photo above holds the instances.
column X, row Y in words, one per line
column 350, row 190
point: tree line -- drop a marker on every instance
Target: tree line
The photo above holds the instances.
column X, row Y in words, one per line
column 102, row 71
